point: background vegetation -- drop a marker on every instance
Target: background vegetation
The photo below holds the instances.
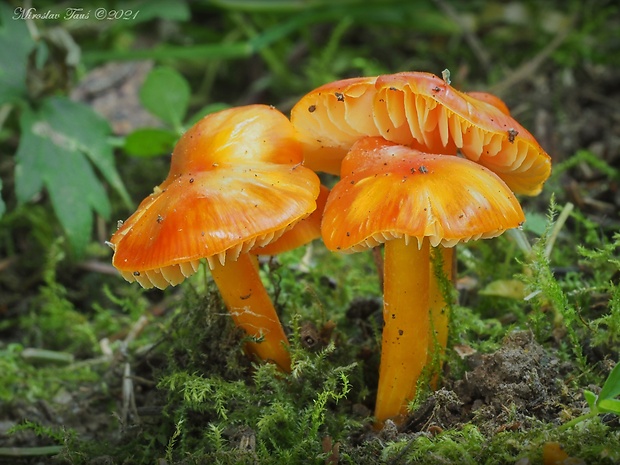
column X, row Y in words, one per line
column 95, row 370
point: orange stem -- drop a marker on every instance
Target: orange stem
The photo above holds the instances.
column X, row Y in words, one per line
column 406, row 330
column 252, row 309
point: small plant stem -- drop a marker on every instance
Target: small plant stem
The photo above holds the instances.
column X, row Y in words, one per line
column 5, row 111
column 557, row 227
column 406, row 327
column 29, row 451
column 577, row 420
column 45, row 356
column 275, row 63
column 252, row 310
column 470, row 37
column 520, row 238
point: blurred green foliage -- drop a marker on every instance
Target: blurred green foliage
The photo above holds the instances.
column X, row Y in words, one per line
column 165, row 94
column 60, row 141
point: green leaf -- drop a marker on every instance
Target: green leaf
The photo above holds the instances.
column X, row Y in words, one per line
column 165, row 93
column 590, row 399
column 15, row 47
column 611, row 388
column 509, row 288
column 90, row 133
column 609, row 406
column 58, row 146
column 150, row 142
column 535, row 222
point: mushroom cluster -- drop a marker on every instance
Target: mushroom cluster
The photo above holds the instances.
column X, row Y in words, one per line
column 422, row 167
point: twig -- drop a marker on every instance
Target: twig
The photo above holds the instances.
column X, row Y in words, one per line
column 98, row 267
column 129, row 398
column 470, row 37
column 47, row 356
column 30, row 25
column 529, row 68
column 135, row 330
column 5, row 110
column 29, row 451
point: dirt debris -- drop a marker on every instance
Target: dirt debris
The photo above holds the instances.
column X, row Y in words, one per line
column 505, row 390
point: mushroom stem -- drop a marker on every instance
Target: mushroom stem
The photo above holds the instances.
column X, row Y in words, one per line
column 406, row 330
column 252, row 309
column 439, row 310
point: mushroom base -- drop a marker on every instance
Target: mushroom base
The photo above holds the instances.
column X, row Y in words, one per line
column 251, row 309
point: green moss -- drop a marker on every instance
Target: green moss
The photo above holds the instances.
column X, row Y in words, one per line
column 275, row 418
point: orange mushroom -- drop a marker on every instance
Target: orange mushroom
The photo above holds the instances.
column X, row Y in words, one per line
column 411, row 201
column 235, row 183
column 422, row 111
column 302, row 233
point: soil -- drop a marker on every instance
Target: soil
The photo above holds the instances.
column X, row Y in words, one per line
column 504, row 390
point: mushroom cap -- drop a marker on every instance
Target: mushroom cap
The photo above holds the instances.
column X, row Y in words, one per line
column 235, row 182
column 491, row 99
column 303, row 232
column 390, row 191
column 421, row 111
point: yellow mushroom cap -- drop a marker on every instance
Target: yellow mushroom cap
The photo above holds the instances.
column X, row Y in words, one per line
column 390, row 191
column 421, row 111
column 235, row 182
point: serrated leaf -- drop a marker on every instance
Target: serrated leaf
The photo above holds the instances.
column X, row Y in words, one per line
column 150, row 142
column 58, row 146
column 165, row 93
column 611, row 388
column 15, row 46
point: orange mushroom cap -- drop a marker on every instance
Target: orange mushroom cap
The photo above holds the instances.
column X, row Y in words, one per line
column 491, row 100
column 389, row 191
column 421, row 111
column 303, row 232
column 235, row 182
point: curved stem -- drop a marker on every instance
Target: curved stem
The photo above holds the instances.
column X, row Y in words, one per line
column 577, row 420
column 406, row 327
column 252, row 310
